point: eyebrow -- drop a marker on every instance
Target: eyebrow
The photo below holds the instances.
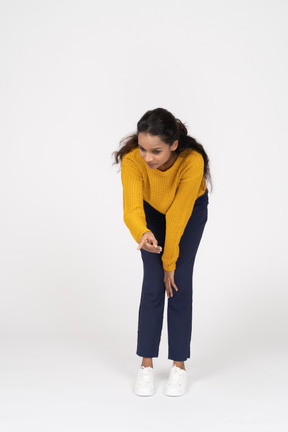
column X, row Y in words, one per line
column 156, row 148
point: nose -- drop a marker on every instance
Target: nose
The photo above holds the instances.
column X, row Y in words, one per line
column 150, row 161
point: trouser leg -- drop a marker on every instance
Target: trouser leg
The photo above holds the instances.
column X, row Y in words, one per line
column 151, row 308
column 179, row 313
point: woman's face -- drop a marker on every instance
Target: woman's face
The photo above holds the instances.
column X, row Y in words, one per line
column 155, row 152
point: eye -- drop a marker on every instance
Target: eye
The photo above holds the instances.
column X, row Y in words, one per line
column 154, row 151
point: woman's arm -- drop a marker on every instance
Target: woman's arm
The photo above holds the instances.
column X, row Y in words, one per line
column 180, row 211
column 133, row 210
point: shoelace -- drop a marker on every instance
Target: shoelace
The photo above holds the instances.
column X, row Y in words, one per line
column 176, row 376
column 146, row 374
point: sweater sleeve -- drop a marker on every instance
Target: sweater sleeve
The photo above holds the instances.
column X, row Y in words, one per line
column 133, row 210
column 180, row 211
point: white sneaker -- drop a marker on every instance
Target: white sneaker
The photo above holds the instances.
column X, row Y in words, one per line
column 177, row 382
column 145, row 381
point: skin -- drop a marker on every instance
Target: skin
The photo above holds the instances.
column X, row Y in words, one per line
column 155, row 151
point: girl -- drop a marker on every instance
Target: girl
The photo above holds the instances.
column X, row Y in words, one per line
column 165, row 207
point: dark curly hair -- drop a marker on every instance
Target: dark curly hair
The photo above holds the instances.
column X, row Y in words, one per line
column 162, row 123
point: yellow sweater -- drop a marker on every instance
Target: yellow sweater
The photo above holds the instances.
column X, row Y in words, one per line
column 172, row 192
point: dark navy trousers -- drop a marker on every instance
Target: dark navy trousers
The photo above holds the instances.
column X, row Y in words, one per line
column 179, row 309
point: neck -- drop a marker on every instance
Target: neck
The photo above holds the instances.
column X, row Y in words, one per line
column 170, row 162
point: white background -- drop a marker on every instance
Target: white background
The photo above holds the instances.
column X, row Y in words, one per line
column 76, row 76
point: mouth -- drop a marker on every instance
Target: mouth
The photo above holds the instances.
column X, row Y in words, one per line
column 151, row 165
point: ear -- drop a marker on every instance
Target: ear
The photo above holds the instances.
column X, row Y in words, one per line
column 174, row 145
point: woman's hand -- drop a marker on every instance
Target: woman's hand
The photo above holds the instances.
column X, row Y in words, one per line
column 149, row 243
column 169, row 282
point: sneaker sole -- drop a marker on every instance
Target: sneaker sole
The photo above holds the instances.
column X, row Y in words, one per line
column 139, row 393
column 168, row 393
column 175, row 395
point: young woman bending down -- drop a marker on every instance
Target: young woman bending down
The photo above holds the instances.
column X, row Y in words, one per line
column 165, row 207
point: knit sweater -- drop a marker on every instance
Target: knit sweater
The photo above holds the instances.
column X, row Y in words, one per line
column 172, row 192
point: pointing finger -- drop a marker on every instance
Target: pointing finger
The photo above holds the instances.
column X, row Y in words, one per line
column 140, row 245
column 170, row 290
